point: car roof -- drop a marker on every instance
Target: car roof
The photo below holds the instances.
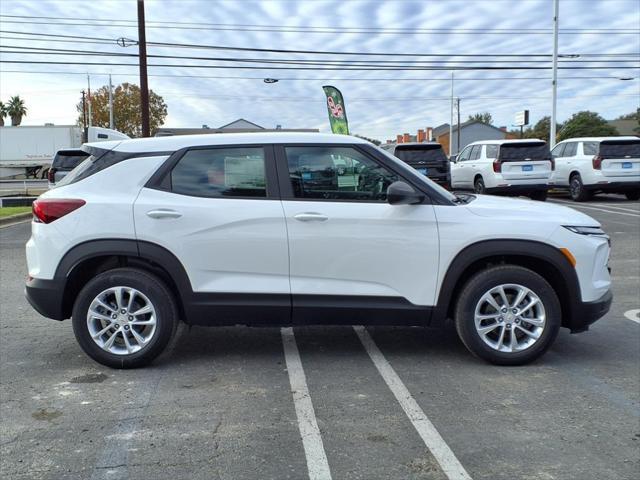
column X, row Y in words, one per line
column 600, row 139
column 503, row 141
column 177, row 142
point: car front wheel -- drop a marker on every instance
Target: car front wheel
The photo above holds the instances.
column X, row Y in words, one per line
column 507, row 315
column 124, row 318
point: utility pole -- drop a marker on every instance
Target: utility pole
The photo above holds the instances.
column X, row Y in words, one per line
column 89, row 96
column 144, row 86
column 554, row 82
column 451, row 120
column 84, row 117
column 110, row 104
column 458, row 135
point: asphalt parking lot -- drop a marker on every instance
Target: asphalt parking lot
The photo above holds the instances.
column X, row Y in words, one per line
column 366, row 404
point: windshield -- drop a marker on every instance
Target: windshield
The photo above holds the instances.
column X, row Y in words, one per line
column 411, row 172
column 513, row 152
column 419, row 153
column 620, row 149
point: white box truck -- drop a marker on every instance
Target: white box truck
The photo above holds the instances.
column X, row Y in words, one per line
column 29, row 150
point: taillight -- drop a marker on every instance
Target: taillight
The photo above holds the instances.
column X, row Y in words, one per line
column 51, row 175
column 497, row 166
column 46, row 210
column 597, row 162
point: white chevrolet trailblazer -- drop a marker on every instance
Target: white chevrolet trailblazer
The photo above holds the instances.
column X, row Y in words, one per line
column 270, row 229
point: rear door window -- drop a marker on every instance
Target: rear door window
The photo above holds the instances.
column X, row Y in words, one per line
column 570, row 149
column 420, row 153
column 620, row 149
column 475, row 152
column 221, row 172
column 525, row 151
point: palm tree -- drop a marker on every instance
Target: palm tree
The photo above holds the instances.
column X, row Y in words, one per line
column 16, row 110
column 3, row 113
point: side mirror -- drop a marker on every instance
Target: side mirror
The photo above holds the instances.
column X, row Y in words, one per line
column 401, row 193
column 453, row 158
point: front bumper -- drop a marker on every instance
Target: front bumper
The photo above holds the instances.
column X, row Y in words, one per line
column 46, row 297
column 586, row 313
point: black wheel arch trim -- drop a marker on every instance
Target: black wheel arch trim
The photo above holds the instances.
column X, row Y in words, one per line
column 534, row 250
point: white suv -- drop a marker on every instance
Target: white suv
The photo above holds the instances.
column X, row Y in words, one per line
column 270, row 229
column 507, row 167
column 598, row 164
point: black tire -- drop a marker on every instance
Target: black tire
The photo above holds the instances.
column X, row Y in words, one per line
column 577, row 190
column 633, row 195
column 478, row 186
column 484, row 281
column 149, row 285
column 540, row 195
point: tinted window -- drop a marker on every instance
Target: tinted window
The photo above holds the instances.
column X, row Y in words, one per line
column 337, row 173
column 475, row 152
column 590, row 148
column 620, row 149
column 571, row 149
column 492, row 151
column 558, row 151
column 420, row 153
column 221, row 172
column 513, row 152
column 68, row 159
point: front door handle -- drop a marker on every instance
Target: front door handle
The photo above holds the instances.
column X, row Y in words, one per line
column 311, row 217
column 163, row 213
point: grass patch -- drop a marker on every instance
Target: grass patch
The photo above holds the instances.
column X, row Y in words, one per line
column 8, row 211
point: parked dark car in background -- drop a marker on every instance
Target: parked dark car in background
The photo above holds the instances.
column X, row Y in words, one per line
column 63, row 162
column 427, row 158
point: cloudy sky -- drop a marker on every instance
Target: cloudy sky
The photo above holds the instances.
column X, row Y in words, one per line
column 379, row 103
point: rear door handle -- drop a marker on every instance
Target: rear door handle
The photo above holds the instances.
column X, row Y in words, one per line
column 163, row 213
column 311, row 217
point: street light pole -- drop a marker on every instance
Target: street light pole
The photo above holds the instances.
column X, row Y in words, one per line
column 451, row 120
column 144, row 85
column 110, row 104
column 554, row 82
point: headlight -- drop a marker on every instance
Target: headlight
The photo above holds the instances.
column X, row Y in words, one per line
column 586, row 230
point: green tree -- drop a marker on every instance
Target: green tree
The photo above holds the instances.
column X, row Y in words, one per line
column 541, row 130
column 126, row 109
column 586, row 124
column 484, row 117
column 3, row 113
column 16, row 109
column 630, row 116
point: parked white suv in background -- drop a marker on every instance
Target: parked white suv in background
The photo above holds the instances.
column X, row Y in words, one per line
column 598, row 164
column 260, row 229
column 507, row 167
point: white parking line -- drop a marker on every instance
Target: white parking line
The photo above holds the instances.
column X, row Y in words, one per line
column 317, row 464
column 633, row 315
column 572, row 205
column 450, row 465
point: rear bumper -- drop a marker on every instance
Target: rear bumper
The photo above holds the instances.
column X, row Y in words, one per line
column 614, row 186
column 586, row 313
column 46, row 297
column 519, row 189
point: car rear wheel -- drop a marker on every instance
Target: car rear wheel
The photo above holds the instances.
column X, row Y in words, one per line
column 633, row 195
column 507, row 315
column 577, row 190
column 478, row 186
column 540, row 195
column 124, row 318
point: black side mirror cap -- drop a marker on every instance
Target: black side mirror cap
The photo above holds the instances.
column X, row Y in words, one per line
column 401, row 193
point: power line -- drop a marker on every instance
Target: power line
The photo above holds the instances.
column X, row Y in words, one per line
column 341, row 79
column 116, row 23
column 316, row 52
